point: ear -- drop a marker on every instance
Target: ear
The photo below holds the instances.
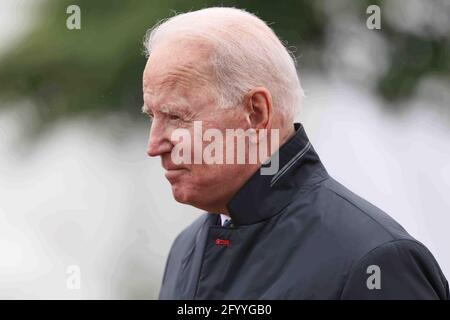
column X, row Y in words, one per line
column 259, row 107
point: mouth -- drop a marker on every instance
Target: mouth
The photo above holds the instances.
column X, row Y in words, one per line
column 172, row 167
column 172, row 171
column 169, row 166
column 172, row 174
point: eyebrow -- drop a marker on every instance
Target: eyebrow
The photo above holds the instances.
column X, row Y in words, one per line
column 165, row 109
column 145, row 109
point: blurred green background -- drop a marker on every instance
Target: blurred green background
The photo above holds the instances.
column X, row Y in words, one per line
column 97, row 69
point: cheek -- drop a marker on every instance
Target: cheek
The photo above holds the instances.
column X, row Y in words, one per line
column 203, row 172
column 211, row 176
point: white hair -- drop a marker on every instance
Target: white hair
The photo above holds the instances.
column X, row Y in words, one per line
column 247, row 54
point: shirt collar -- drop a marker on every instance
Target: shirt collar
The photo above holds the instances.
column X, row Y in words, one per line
column 263, row 196
column 223, row 219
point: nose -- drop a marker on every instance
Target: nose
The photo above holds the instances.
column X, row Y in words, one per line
column 158, row 140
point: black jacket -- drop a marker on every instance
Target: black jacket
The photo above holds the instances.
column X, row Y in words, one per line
column 300, row 234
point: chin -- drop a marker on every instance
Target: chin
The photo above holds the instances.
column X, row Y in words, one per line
column 181, row 194
column 189, row 197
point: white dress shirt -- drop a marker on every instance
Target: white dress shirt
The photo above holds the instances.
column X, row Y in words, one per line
column 224, row 218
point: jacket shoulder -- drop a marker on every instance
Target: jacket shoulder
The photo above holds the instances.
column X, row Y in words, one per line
column 398, row 269
column 360, row 215
column 367, row 236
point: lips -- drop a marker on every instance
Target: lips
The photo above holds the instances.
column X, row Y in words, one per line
column 173, row 171
column 173, row 174
column 170, row 167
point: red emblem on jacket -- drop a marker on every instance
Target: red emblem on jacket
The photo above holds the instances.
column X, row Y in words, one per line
column 222, row 242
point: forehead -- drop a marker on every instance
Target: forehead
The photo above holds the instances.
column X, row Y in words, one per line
column 178, row 69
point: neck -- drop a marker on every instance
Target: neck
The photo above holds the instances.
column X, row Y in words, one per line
column 286, row 134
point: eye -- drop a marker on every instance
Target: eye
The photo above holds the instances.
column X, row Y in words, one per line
column 174, row 117
column 150, row 117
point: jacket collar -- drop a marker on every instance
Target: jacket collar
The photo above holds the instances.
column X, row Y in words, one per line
column 263, row 196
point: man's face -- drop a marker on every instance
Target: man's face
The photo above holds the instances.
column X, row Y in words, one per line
column 178, row 87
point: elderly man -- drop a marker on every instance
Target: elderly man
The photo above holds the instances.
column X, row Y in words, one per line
column 295, row 233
